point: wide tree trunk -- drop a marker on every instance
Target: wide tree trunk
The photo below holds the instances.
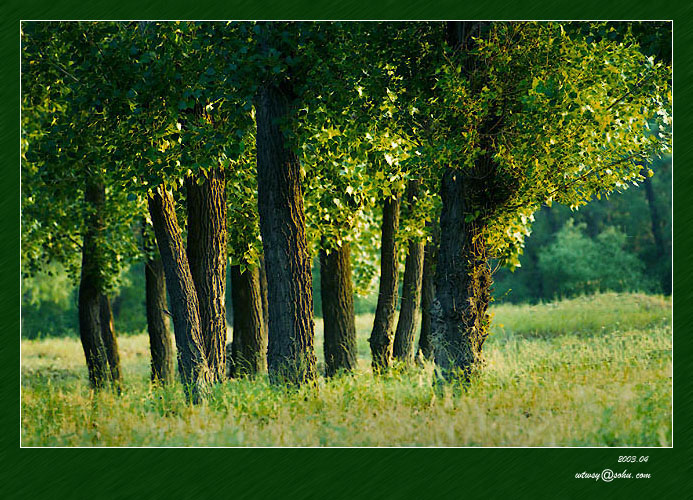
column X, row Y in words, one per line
column 192, row 363
column 403, row 348
column 206, row 199
column 91, row 287
column 428, row 290
column 459, row 318
column 109, row 340
column 160, row 338
column 337, row 297
column 463, row 283
column 382, row 334
column 249, row 347
column 291, row 356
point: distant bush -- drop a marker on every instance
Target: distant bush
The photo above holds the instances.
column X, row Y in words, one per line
column 49, row 304
column 575, row 264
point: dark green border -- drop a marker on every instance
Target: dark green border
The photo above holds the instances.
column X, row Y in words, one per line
column 336, row 473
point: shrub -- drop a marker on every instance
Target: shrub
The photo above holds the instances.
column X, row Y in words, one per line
column 576, row 264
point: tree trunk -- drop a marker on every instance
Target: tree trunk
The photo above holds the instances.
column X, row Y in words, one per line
column 654, row 216
column 192, row 363
column 109, row 340
column 463, row 284
column 207, row 259
column 249, row 347
column 382, row 335
column 459, row 318
column 656, row 222
column 291, row 356
column 428, row 290
column 91, row 286
column 263, row 294
column 160, row 341
column 403, row 348
column 337, row 297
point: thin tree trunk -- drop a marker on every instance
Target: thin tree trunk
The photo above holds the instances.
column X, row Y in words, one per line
column 551, row 217
column 382, row 334
column 207, row 259
column 160, row 338
column 263, row 294
column 91, row 286
column 291, row 356
column 337, row 297
column 403, row 348
column 109, row 340
column 192, row 363
column 249, row 347
column 654, row 217
column 428, row 290
column 463, row 284
column 656, row 222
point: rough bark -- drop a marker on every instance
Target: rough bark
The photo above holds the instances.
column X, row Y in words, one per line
column 109, row 340
column 337, row 297
column 206, row 203
column 463, row 284
column 382, row 334
column 249, row 347
column 160, row 338
column 403, row 348
column 192, row 363
column 459, row 318
column 291, row 356
column 427, row 297
column 91, row 286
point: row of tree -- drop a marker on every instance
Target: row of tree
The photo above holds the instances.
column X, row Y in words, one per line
column 268, row 143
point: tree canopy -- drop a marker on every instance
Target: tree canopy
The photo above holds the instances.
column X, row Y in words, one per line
column 474, row 126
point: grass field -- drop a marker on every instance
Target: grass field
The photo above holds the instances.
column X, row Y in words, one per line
column 592, row 371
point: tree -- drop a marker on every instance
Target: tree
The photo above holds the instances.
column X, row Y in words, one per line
column 545, row 117
column 95, row 319
column 338, row 309
column 382, row 336
column 160, row 339
column 427, row 297
column 338, row 151
column 291, row 357
column 67, row 104
column 403, row 347
column 207, row 256
column 188, row 127
column 248, row 294
column 192, row 362
column 249, row 346
column 578, row 264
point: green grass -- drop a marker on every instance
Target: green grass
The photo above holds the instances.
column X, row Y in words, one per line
column 593, row 371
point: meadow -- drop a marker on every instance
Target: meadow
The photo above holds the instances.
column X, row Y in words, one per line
column 589, row 371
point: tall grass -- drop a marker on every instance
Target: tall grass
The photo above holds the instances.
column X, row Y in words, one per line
column 593, row 371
